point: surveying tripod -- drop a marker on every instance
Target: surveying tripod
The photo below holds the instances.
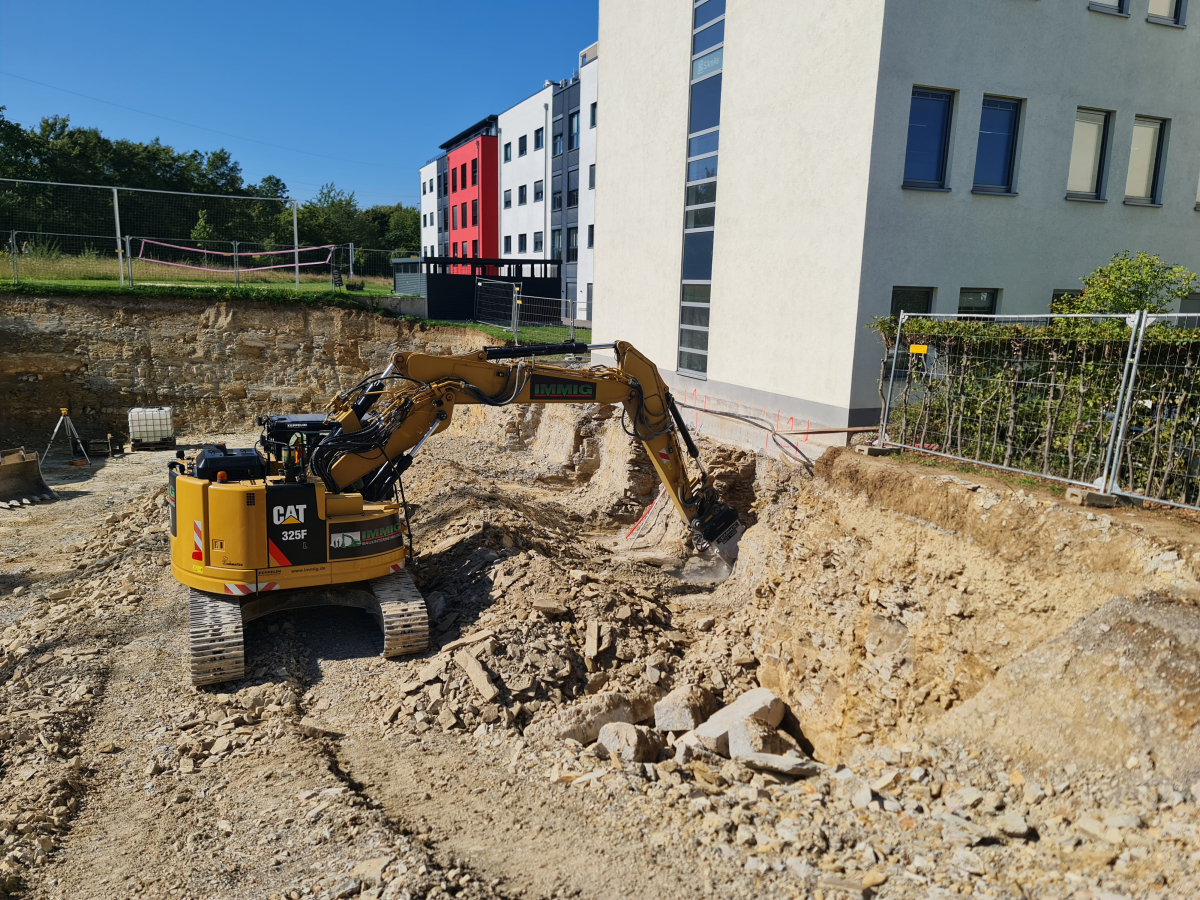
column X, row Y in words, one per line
column 72, row 436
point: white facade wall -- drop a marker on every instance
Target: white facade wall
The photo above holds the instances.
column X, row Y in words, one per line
column 813, row 228
column 589, row 78
column 428, row 176
column 524, row 119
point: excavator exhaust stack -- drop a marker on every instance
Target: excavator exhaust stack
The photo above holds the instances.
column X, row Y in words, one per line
column 21, row 482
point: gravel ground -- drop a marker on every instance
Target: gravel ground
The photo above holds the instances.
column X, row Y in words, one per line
column 475, row 769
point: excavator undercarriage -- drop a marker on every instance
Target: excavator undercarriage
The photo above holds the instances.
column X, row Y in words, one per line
column 315, row 514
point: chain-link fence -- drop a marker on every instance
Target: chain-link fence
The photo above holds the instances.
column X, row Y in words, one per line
column 85, row 234
column 1110, row 402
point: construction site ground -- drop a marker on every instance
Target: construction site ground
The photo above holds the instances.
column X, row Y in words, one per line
column 1002, row 692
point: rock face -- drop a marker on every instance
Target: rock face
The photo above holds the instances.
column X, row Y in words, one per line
column 1125, row 681
column 217, row 364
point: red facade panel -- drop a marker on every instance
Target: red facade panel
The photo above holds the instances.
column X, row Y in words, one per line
column 474, row 201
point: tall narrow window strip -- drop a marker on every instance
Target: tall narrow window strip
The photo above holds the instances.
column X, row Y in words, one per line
column 705, row 110
column 1144, row 160
column 928, row 138
column 709, row 37
column 573, row 131
column 706, row 12
column 997, row 145
column 1087, row 153
column 474, row 171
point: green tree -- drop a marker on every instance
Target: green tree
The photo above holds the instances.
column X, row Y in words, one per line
column 1129, row 283
column 202, row 231
column 333, row 217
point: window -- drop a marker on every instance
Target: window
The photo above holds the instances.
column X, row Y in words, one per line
column 556, row 193
column 423, row 222
column 928, row 139
column 592, row 116
column 972, row 301
column 556, row 244
column 537, row 192
column 587, row 313
column 523, row 145
column 697, row 256
column 701, row 218
column 539, row 139
column 431, row 185
column 573, row 131
column 709, row 37
column 508, row 199
column 422, row 187
column 701, row 169
column 591, row 236
column 693, row 327
column 521, row 243
column 912, row 300
column 705, row 111
column 592, row 177
column 704, row 144
column 1166, row 12
column 1198, row 197
column 537, row 242
column 1190, row 305
column 474, row 248
column 464, row 215
column 454, row 249
column 572, row 245
column 508, row 152
column 463, row 176
column 454, row 218
column 1084, row 180
column 997, row 145
column 698, row 194
column 557, row 147
column 1145, row 162
column 573, row 188
column 708, row 11
column 1118, row 7
column 475, row 212
column 508, row 243
column 474, row 171
column 454, row 180
column 522, row 195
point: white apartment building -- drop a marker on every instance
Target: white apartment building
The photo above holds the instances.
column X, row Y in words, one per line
column 948, row 155
column 524, row 175
column 429, row 209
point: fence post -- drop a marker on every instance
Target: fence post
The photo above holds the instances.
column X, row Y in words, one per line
column 236, row 280
column 296, row 243
column 120, row 249
column 1125, row 399
column 14, row 251
column 129, row 258
column 516, row 313
column 574, row 310
column 351, row 259
column 887, row 403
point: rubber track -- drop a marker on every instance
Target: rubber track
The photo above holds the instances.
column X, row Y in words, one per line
column 217, row 652
column 402, row 614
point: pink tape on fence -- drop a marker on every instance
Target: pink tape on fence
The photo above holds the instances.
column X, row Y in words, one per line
column 289, row 265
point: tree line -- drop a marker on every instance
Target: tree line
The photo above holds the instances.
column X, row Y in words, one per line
column 56, row 151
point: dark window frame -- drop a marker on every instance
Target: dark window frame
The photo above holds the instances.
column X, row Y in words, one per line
column 522, row 194
column 591, row 237
column 591, row 176
column 508, row 243
column 523, row 242
column 523, row 145
column 508, row 199
column 539, row 138
column 930, row 296
column 539, row 191
column 573, row 130
column 539, row 241
column 950, row 98
column 1120, row 8
column 1101, row 193
column 1008, row 189
column 474, row 172
column 1179, row 20
column 573, row 243
column 992, row 310
column 592, row 115
column 1160, row 159
column 508, row 151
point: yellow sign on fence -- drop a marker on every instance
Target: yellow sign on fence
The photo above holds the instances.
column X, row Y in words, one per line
column 918, row 348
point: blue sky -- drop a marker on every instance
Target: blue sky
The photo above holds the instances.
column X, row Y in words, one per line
column 376, row 84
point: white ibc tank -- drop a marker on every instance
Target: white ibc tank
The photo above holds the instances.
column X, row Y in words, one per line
column 151, row 424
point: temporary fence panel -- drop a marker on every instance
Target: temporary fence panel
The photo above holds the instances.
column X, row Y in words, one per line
column 1110, row 402
column 1037, row 394
column 495, row 303
column 549, row 320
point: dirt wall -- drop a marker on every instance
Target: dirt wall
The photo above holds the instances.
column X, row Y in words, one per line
column 217, row 364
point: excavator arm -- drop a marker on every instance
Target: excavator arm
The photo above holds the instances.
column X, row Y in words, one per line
column 383, row 421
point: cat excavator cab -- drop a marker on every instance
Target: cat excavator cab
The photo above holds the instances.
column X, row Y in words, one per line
column 314, row 514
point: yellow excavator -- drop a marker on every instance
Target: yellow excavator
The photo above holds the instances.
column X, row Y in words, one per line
column 314, row 514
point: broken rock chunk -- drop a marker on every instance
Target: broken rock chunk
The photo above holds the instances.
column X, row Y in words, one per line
column 684, row 709
column 582, row 721
column 759, row 704
column 630, row 743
